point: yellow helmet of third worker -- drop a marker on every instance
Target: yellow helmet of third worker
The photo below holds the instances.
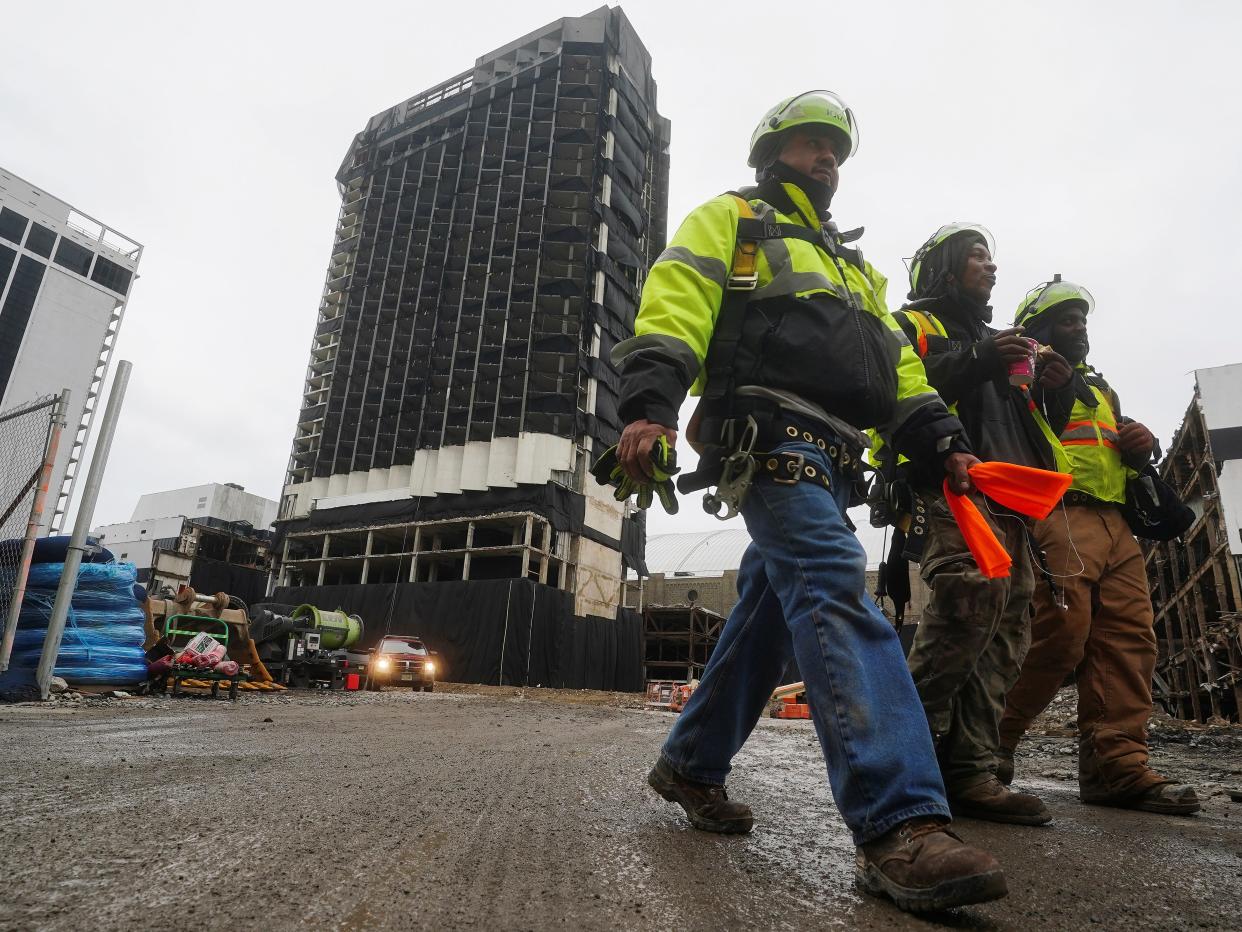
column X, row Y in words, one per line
column 1043, row 298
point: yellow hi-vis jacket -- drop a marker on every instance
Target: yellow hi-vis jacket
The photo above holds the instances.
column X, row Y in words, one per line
column 681, row 301
column 1090, row 441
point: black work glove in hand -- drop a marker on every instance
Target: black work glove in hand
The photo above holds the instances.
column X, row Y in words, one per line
column 607, row 471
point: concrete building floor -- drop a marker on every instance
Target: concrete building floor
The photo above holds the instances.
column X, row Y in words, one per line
column 498, row 809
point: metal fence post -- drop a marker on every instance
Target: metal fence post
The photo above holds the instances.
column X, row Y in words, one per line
column 86, row 512
column 56, row 424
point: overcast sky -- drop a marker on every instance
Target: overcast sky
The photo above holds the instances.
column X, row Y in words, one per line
column 1099, row 140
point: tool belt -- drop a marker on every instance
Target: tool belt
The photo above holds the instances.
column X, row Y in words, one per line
column 847, row 462
column 737, row 459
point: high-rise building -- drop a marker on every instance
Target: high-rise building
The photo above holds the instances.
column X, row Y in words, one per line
column 493, row 236
column 64, row 281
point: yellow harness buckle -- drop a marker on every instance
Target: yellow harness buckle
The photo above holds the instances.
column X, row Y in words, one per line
column 744, row 275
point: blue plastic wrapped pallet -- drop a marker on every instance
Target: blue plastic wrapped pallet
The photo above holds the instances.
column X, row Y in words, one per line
column 102, row 643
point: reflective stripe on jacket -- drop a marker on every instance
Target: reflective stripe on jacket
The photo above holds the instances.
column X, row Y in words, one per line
column 1090, row 442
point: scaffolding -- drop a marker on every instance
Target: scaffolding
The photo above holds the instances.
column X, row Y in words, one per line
column 678, row 640
column 513, row 545
column 1195, row 586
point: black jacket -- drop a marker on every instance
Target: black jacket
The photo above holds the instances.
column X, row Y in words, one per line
column 968, row 372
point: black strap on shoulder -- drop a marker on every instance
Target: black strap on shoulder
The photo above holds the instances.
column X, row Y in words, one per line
column 722, row 350
column 728, row 330
column 754, row 228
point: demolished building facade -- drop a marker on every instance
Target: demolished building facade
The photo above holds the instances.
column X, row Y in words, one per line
column 492, row 240
column 1195, row 580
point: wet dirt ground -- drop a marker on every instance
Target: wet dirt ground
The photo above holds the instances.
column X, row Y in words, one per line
column 503, row 809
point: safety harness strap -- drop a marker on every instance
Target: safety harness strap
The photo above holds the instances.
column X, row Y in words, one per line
column 719, row 428
column 927, row 326
column 742, row 279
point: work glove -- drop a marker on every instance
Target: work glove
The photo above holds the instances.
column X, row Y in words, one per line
column 607, row 471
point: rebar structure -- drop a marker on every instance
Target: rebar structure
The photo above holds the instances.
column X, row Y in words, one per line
column 1195, row 581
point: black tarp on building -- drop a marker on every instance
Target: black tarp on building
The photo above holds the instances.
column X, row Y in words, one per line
column 499, row 631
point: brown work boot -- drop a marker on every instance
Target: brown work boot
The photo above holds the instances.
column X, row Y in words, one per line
column 923, row 867
column 995, row 803
column 1004, row 765
column 706, row 804
column 1166, row 798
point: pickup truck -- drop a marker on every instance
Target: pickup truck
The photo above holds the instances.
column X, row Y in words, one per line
column 399, row 660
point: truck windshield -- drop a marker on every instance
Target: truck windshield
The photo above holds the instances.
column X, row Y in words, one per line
column 394, row 646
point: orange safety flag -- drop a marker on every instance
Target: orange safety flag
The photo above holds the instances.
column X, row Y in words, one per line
column 1031, row 492
column 992, row 558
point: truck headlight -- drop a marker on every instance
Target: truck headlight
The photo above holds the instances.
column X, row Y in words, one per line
column 383, row 665
column 430, row 668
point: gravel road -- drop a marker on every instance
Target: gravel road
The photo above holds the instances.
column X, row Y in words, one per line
column 497, row 809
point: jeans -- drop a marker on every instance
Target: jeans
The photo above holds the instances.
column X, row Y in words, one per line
column 802, row 594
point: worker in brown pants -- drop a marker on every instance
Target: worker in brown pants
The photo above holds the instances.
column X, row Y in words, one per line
column 1099, row 625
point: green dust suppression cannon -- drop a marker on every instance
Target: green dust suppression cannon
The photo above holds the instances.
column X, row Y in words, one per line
column 336, row 629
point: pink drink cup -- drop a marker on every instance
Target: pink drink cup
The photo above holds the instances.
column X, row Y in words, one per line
column 1022, row 371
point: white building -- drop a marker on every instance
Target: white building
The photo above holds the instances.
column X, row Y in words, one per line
column 160, row 516
column 1218, row 390
column 64, row 281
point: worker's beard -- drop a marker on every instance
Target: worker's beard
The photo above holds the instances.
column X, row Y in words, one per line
column 819, row 193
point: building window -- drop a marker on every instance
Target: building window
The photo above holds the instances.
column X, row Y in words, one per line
column 111, row 276
column 7, row 258
column 40, row 240
column 73, row 257
column 16, row 313
column 202, row 502
column 143, row 531
column 12, row 225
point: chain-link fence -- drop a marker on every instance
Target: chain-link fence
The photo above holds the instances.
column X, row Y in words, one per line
column 29, row 436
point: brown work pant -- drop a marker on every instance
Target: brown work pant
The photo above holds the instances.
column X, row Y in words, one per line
column 969, row 644
column 1105, row 633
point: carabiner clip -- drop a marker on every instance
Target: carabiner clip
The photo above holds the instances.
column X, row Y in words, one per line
column 736, row 474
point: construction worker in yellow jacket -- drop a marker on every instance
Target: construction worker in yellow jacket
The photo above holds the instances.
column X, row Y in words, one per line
column 761, row 305
column 1098, row 626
